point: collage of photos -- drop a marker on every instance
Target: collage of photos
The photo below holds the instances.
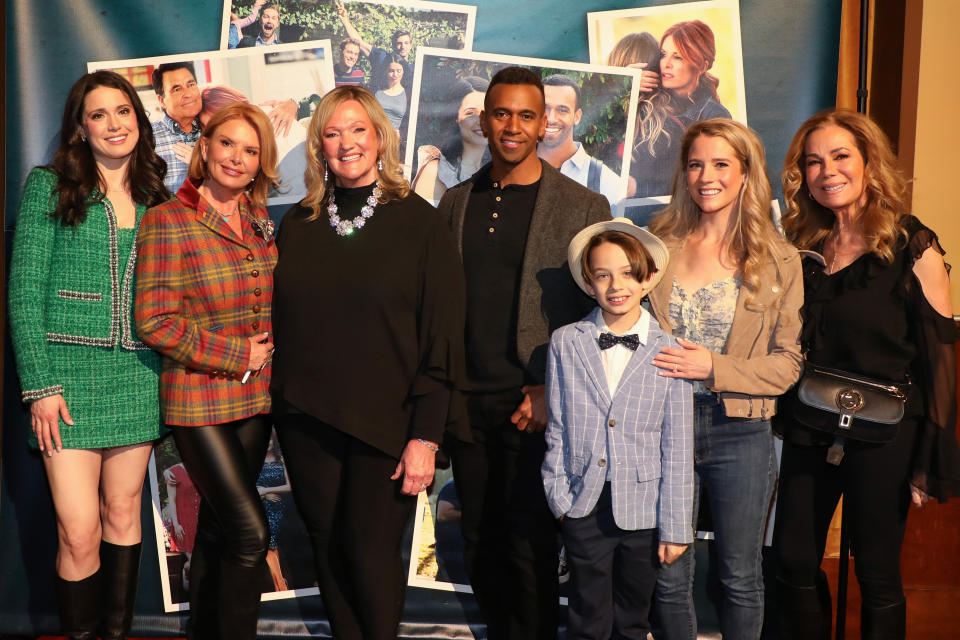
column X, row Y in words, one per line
column 376, row 42
column 182, row 92
column 590, row 114
column 176, row 511
column 691, row 59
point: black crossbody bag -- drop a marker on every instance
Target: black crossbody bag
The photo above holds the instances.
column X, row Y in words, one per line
column 850, row 406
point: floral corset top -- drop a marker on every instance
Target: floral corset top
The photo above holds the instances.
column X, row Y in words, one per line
column 704, row 316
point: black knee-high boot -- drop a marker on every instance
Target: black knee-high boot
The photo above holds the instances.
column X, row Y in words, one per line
column 884, row 623
column 120, row 568
column 79, row 602
column 803, row 612
column 239, row 605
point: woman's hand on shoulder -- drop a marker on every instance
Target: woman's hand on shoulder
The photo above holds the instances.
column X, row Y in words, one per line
column 416, row 467
column 932, row 274
column 45, row 415
column 692, row 362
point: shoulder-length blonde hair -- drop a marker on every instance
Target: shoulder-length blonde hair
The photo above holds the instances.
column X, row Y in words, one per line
column 267, row 176
column 752, row 239
column 392, row 183
column 807, row 222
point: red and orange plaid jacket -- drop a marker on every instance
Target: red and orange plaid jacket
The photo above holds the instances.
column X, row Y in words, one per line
column 201, row 293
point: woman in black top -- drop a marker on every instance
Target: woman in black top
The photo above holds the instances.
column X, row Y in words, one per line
column 368, row 315
column 877, row 304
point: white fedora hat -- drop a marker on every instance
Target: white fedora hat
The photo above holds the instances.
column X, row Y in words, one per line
column 653, row 245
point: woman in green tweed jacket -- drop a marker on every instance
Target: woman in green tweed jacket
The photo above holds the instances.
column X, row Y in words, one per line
column 90, row 384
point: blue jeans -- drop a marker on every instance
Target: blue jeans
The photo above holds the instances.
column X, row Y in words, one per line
column 734, row 460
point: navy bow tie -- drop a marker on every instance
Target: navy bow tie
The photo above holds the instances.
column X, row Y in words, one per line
column 630, row 341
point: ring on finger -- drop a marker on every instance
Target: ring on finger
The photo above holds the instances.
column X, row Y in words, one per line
column 676, row 368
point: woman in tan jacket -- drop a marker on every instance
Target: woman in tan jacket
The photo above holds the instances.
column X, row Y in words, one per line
column 731, row 295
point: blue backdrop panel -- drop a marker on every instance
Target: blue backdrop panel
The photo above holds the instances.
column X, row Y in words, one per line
column 790, row 50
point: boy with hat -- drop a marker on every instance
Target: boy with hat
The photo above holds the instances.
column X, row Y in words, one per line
column 618, row 472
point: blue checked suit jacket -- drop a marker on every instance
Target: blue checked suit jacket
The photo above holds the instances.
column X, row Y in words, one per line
column 643, row 435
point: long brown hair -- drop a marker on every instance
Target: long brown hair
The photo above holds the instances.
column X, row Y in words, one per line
column 695, row 42
column 78, row 177
column 392, row 183
column 807, row 223
column 267, row 176
column 752, row 238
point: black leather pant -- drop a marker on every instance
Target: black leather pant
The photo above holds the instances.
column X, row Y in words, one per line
column 228, row 563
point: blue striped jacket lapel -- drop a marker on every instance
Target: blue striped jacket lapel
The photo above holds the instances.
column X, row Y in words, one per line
column 641, row 357
column 589, row 352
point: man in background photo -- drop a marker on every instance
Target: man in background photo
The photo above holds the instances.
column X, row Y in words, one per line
column 346, row 71
column 175, row 84
column 269, row 28
column 558, row 147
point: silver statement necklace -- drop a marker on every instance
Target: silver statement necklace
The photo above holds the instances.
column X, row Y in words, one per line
column 347, row 227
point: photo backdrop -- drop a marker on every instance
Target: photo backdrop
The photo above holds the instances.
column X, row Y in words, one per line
column 790, row 51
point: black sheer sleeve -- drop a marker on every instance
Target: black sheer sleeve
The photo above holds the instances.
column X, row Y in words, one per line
column 936, row 459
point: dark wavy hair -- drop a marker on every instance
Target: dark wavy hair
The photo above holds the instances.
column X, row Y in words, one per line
column 452, row 146
column 79, row 179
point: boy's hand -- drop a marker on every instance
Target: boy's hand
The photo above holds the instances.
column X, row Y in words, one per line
column 668, row 552
column 531, row 415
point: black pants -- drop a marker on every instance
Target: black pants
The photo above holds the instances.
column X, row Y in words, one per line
column 355, row 516
column 612, row 575
column 873, row 481
column 510, row 535
column 228, row 562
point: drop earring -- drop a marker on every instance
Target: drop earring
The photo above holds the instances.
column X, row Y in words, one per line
column 379, row 164
column 326, row 174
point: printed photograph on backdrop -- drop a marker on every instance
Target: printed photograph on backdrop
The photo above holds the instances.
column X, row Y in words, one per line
column 590, row 114
column 374, row 44
column 691, row 61
column 436, row 554
column 181, row 92
column 176, row 504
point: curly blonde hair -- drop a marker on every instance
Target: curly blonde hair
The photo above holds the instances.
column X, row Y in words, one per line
column 752, row 239
column 807, row 223
column 392, row 183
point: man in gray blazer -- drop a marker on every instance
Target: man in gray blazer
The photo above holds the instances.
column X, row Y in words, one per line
column 513, row 221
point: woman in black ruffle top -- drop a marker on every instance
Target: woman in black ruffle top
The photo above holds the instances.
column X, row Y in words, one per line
column 877, row 304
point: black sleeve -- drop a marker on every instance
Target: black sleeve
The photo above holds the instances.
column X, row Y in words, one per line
column 441, row 320
column 936, row 457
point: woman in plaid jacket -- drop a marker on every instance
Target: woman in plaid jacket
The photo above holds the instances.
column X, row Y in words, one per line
column 205, row 277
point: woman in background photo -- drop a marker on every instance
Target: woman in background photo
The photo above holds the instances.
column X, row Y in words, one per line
column 687, row 53
column 656, row 142
column 90, row 384
column 464, row 148
column 393, row 98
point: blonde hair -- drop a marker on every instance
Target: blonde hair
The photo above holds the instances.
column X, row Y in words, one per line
column 267, row 176
column 653, row 109
column 807, row 223
column 392, row 183
column 752, row 239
